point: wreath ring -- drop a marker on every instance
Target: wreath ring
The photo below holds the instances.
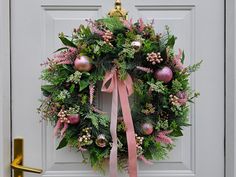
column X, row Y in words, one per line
column 130, row 59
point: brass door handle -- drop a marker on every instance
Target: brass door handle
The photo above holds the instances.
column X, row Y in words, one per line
column 17, row 163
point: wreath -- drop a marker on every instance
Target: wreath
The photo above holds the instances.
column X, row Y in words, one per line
column 149, row 84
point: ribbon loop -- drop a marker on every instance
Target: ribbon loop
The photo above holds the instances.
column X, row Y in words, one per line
column 109, row 76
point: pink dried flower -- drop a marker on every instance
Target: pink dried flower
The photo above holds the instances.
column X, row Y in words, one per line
column 94, row 28
column 82, row 149
column 144, row 69
column 108, row 35
column 141, row 25
column 163, row 138
column 148, row 162
column 177, row 61
column 97, row 31
column 48, row 62
column 128, row 24
column 91, row 92
column 66, row 57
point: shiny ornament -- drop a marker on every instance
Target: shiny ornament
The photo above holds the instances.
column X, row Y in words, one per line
column 101, row 141
column 83, row 63
column 136, row 45
column 147, row 128
column 165, row 74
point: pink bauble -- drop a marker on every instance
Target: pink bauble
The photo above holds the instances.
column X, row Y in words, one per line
column 165, row 74
column 82, row 63
column 147, row 128
column 73, row 118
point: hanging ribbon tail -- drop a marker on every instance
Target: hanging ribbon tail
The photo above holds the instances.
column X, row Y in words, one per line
column 64, row 129
column 57, row 127
column 125, row 89
column 112, row 87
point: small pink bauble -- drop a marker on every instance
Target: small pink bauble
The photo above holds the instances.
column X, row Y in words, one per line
column 165, row 74
column 83, row 63
column 73, row 118
column 147, row 128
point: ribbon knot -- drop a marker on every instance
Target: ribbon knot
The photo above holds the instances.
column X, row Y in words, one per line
column 112, row 84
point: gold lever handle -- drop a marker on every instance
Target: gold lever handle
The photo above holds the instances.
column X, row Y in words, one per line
column 17, row 163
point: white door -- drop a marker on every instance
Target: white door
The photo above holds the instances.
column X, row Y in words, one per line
column 199, row 25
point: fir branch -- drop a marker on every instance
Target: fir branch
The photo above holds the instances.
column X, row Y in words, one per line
column 158, row 87
column 195, row 67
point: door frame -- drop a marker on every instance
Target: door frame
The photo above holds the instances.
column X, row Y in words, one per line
column 230, row 88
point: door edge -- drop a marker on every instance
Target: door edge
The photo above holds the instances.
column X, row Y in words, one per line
column 5, row 87
column 230, row 76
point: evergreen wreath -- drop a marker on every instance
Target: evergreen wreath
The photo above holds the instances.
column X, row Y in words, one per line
column 160, row 83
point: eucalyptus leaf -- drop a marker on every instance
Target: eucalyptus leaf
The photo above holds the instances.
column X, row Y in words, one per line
column 67, row 42
column 62, row 144
column 83, row 85
column 60, row 49
column 171, row 41
column 72, row 88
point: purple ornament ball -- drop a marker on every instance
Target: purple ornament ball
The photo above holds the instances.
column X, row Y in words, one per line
column 147, row 128
column 165, row 74
column 83, row 63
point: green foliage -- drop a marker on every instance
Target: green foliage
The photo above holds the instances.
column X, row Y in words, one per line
column 47, row 89
column 66, row 41
column 112, row 23
column 158, row 87
column 97, row 157
column 153, row 149
column 149, row 46
column 177, row 86
column 162, row 125
column 98, row 119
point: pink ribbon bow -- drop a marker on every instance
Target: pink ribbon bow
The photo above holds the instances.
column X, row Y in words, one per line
column 70, row 119
column 111, row 84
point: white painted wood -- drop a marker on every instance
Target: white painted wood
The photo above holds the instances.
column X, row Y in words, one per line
column 199, row 153
column 4, row 89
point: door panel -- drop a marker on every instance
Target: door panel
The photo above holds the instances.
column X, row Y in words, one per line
column 35, row 27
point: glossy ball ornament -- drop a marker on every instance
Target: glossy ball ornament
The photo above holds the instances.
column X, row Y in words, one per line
column 101, row 141
column 165, row 74
column 83, row 63
column 147, row 128
column 136, row 45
